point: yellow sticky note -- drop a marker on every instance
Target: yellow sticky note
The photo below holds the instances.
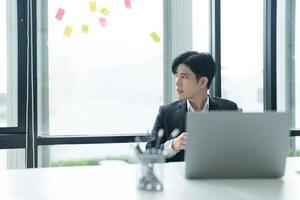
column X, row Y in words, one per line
column 155, row 37
column 104, row 11
column 85, row 28
column 68, row 31
column 93, row 6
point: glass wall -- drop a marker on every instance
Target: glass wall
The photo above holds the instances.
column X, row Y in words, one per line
column 200, row 19
column 12, row 159
column 89, row 154
column 3, row 159
column 101, row 66
column 8, row 64
column 297, row 71
column 3, row 65
column 242, row 53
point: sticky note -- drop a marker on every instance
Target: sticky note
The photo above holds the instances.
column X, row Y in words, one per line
column 93, row 6
column 102, row 22
column 155, row 37
column 60, row 14
column 104, row 11
column 85, row 28
column 127, row 3
column 68, row 31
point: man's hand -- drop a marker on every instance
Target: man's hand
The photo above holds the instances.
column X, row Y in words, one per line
column 180, row 142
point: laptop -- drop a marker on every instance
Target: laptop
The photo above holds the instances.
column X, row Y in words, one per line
column 236, row 144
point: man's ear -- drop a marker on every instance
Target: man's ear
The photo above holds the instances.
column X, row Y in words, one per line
column 203, row 82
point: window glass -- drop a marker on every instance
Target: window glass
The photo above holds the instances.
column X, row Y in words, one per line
column 3, row 65
column 89, row 154
column 12, row 159
column 8, row 64
column 101, row 69
column 242, row 53
column 297, row 71
column 200, row 25
column 3, row 159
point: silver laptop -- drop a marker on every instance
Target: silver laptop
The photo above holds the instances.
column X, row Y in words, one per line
column 236, row 144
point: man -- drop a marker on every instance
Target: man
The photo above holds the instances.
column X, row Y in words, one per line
column 194, row 73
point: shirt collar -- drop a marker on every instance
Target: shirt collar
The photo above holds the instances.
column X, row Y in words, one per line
column 205, row 108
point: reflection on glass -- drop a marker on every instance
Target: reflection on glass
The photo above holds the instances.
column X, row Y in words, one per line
column 105, row 68
column 242, row 53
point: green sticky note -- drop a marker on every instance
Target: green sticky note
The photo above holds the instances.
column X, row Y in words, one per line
column 93, row 6
column 85, row 28
column 155, row 37
column 104, row 11
column 68, row 31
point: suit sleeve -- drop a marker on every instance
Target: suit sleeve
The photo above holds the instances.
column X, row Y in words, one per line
column 158, row 124
column 235, row 107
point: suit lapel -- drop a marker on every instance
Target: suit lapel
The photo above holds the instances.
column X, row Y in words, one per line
column 181, row 114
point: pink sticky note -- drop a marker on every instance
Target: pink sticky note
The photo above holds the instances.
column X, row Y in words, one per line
column 102, row 21
column 60, row 13
column 127, row 3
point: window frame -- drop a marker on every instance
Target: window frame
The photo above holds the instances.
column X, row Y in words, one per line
column 14, row 137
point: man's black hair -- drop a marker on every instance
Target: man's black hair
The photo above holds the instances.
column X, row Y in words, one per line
column 201, row 64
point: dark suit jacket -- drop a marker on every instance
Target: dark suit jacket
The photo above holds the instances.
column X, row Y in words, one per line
column 173, row 116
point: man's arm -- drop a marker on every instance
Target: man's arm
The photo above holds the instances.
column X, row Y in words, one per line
column 158, row 124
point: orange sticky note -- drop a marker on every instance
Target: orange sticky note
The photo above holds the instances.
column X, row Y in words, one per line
column 93, row 6
column 104, row 11
column 155, row 37
column 102, row 21
column 60, row 14
column 85, row 28
column 127, row 3
column 68, row 31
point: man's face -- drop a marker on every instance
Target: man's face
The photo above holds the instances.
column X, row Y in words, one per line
column 187, row 86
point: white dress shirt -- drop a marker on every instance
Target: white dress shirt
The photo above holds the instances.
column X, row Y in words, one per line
column 169, row 151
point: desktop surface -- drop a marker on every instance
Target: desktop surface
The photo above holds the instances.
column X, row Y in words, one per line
column 119, row 182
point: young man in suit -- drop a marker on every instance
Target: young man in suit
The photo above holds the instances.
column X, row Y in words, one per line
column 194, row 73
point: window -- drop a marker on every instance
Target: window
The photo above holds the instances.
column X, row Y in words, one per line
column 100, row 67
column 288, row 64
column 200, row 25
column 242, row 53
column 297, row 71
column 11, row 119
column 3, row 162
column 3, row 66
column 12, row 159
column 103, row 67
column 90, row 154
column 8, row 64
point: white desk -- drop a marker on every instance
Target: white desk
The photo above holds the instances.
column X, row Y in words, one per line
column 119, row 182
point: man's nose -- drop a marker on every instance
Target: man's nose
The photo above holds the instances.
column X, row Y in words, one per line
column 177, row 81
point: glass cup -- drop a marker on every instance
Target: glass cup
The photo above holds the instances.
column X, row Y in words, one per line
column 150, row 170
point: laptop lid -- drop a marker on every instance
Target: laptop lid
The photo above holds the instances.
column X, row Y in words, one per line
column 236, row 144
